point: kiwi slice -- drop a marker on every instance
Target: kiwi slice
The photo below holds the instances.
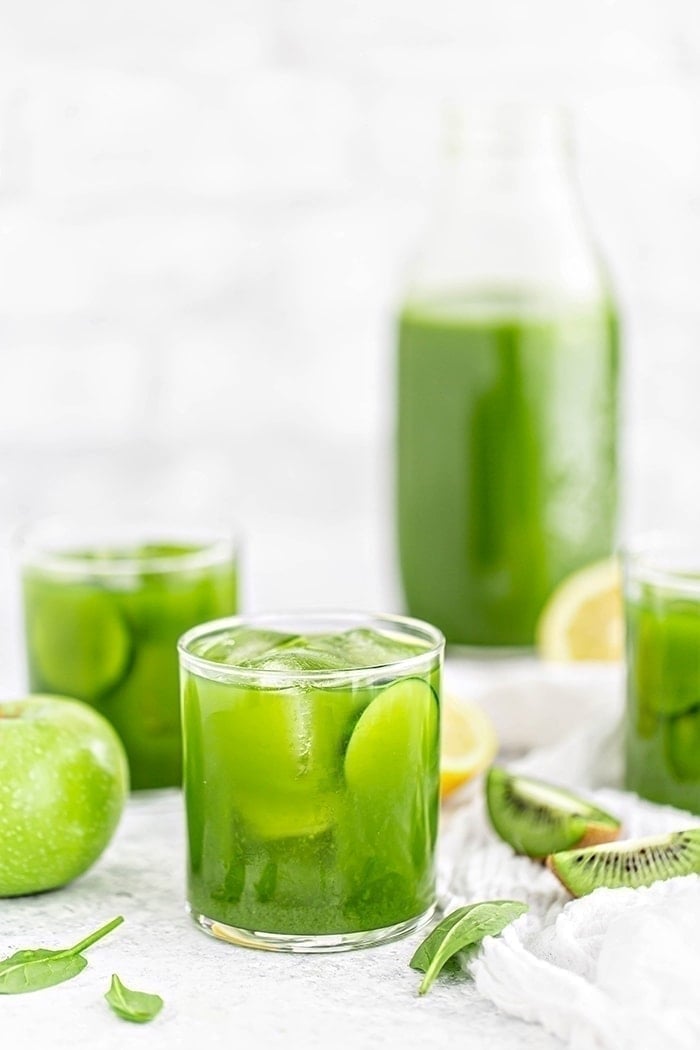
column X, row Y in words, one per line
column 637, row 862
column 537, row 819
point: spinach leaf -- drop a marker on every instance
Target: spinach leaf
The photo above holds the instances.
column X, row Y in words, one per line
column 132, row 1006
column 466, row 927
column 31, row 969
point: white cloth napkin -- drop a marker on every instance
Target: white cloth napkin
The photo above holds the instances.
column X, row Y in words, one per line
column 617, row 969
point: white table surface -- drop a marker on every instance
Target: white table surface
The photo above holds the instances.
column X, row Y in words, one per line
column 219, row 995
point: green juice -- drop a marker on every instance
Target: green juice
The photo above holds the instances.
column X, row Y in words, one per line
column 311, row 782
column 102, row 626
column 663, row 697
column 507, row 476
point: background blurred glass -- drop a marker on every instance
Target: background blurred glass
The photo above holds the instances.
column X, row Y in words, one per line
column 205, row 211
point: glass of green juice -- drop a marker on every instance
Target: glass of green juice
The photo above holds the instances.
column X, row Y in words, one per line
column 311, row 755
column 104, row 607
column 662, row 612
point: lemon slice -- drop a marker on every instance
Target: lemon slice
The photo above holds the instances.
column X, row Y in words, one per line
column 583, row 619
column 469, row 743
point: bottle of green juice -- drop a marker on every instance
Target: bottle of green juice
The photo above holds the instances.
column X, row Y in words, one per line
column 507, row 387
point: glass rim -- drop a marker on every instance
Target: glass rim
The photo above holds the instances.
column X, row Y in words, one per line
column 218, row 671
column 665, row 559
column 213, row 546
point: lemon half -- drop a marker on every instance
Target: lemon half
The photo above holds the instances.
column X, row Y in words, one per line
column 583, row 618
column 469, row 743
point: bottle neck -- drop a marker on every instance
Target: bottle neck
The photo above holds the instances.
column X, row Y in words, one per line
column 511, row 158
column 508, row 215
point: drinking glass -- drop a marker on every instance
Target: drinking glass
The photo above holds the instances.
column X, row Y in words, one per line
column 311, row 778
column 662, row 609
column 104, row 607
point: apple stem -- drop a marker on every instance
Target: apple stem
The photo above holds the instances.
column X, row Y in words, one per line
column 97, row 935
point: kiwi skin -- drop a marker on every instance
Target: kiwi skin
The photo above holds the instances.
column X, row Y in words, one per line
column 632, row 863
column 597, row 834
column 537, row 818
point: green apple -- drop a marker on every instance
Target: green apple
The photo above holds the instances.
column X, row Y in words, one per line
column 63, row 782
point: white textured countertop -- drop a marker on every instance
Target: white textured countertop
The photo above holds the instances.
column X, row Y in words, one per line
column 218, row 995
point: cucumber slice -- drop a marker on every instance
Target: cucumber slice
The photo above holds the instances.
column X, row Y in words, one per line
column 395, row 742
column 145, row 711
column 388, row 831
column 683, row 745
column 79, row 643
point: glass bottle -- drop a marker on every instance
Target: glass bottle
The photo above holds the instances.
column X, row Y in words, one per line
column 507, row 387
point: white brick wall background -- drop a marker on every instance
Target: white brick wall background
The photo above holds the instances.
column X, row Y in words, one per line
column 205, row 212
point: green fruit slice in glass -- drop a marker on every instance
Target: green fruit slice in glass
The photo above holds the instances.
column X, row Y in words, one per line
column 394, row 741
column 683, row 745
column 278, row 753
column 145, row 710
column 80, row 644
column 388, row 830
column 666, row 667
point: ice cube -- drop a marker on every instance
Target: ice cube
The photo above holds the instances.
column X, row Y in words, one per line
column 237, row 646
column 300, row 657
column 363, row 647
column 264, row 650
